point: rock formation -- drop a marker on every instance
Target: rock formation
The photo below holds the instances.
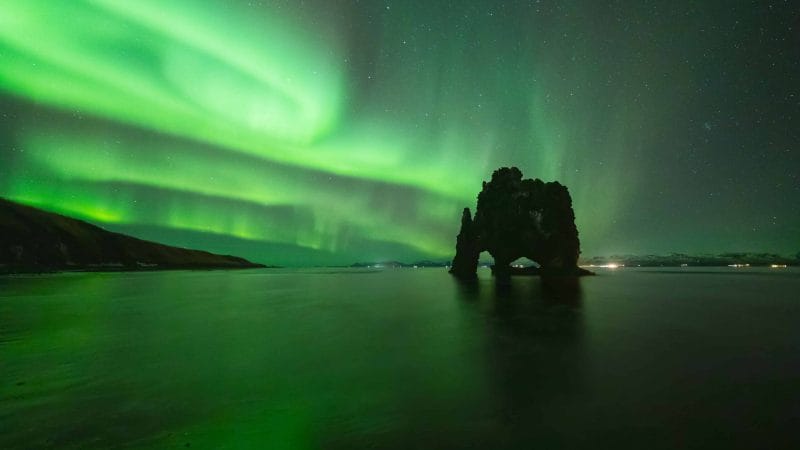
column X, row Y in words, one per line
column 518, row 218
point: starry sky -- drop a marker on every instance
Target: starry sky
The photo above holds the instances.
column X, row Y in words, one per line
column 331, row 131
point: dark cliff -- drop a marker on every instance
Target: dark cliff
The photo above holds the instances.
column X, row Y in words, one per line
column 33, row 240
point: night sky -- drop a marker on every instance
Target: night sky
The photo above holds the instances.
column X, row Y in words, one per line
column 330, row 131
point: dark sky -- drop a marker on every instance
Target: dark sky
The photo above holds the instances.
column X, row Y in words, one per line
column 323, row 132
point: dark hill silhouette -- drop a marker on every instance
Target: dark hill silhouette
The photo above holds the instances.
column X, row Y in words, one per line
column 33, row 240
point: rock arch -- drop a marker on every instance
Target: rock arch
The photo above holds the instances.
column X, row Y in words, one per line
column 516, row 218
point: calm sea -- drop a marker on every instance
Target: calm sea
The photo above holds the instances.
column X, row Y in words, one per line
column 401, row 359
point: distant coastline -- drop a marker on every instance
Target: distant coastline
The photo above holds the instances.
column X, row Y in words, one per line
column 37, row 241
column 741, row 259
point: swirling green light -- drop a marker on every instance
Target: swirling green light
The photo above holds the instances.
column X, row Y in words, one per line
column 267, row 124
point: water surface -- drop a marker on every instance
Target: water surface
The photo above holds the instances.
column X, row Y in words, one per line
column 344, row 359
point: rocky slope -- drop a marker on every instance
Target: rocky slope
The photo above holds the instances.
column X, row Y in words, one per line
column 33, row 240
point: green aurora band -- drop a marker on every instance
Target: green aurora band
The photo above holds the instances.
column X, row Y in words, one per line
column 325, row 134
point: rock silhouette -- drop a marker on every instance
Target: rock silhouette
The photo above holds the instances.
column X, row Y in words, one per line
column 33, row 240
column 518, row 218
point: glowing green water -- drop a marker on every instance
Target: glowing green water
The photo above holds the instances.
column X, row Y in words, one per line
column 398, row 359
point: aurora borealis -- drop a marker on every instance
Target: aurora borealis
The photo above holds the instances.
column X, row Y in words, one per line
column 325, row 132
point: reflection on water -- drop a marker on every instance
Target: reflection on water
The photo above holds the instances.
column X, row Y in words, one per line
column 533, row 353
column 398, row 359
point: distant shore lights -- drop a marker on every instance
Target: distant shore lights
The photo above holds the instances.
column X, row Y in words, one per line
column 606, row 266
